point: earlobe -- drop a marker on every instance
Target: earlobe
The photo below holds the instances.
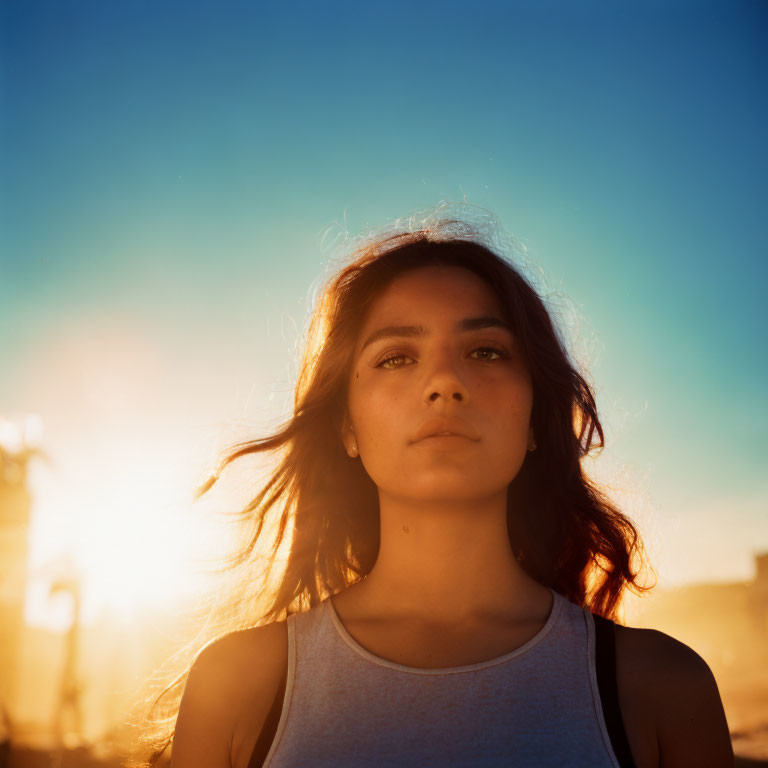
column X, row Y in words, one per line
column 348, row 438
column 531, row 440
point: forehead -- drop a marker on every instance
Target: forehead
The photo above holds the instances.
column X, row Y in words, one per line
column 442, row 288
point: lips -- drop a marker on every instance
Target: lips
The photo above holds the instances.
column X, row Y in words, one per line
column 442, row 426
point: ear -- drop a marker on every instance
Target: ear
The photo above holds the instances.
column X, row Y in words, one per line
column 531, row 440
column 348, row 436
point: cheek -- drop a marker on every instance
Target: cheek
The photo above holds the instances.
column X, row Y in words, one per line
column 379, row 418
column 379, row 413
column 508, row 422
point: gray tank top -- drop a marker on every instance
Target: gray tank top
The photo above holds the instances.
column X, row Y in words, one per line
column 535, row 707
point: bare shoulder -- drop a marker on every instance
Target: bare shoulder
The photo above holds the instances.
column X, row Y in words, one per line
column 227, row 696
column 668, row 690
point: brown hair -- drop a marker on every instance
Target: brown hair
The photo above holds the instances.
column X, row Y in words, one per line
column 564, row 531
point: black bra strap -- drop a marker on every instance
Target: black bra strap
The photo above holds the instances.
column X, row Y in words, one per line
column 605, row 667
column 269, row 729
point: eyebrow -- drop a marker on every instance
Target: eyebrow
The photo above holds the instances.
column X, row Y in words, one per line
column 409, row 331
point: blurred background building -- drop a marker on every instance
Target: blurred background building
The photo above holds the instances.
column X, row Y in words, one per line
column 15, row 505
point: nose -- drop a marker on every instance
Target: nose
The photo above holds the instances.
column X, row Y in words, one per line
column 444, row 382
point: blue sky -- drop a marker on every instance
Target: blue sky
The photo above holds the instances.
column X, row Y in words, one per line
column 171, row 167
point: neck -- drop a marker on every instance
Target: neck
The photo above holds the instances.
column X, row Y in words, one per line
column 448, row 561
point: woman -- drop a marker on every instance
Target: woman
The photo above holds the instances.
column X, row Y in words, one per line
column 452, row 578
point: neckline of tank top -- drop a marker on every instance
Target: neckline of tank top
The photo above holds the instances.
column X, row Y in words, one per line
column 557, row 605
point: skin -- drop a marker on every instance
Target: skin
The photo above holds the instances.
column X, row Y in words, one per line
column 446, row 589
column 445, row 557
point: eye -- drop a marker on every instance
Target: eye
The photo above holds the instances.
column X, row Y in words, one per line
column 389, row 359
column 492, row 350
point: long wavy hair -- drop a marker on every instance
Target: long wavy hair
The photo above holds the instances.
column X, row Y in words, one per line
column 321, row 510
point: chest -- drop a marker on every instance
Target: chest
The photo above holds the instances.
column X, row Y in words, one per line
column 422, row 647
column 431, row 648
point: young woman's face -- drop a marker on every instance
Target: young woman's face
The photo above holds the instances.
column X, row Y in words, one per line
column 434, row 354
